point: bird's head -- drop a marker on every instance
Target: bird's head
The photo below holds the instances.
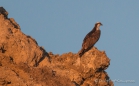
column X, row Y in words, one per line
column 97, row 25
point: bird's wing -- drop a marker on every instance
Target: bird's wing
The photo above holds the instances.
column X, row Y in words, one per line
column 90, row 40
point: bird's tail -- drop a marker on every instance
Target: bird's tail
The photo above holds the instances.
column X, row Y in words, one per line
column 81, row 52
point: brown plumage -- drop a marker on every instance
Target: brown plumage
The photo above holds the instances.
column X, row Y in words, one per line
column 90, row 39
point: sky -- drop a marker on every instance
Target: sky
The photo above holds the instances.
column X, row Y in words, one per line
column 60, row 26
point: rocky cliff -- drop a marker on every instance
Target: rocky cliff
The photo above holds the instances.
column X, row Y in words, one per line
column 24, row 63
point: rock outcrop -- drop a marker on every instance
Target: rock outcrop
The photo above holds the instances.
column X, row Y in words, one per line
column 24, row 63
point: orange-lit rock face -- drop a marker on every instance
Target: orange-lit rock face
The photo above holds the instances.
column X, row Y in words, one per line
column 24, row 63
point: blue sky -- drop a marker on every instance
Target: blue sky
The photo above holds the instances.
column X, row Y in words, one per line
column 60, row 26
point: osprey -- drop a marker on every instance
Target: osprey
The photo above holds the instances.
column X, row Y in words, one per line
column 90, row 39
